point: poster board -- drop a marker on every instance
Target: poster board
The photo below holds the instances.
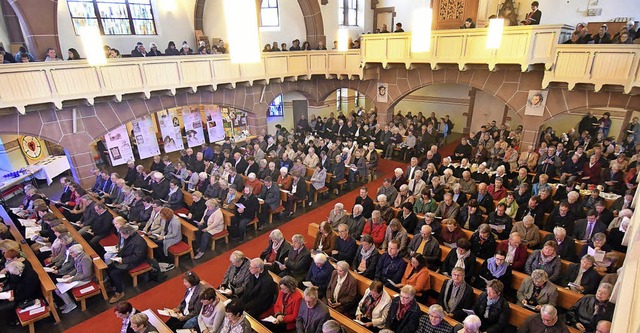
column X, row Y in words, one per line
column 118, row 146
column 170, row 129
column 144, row 134
column 215, row 124
column 193, row 126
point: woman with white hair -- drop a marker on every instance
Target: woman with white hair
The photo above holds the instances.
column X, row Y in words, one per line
column 81, row 274
column 284, row 179
column 319, row 273
column 471, row 324
column 23, row 281
column 237, row 275
column 277, row 250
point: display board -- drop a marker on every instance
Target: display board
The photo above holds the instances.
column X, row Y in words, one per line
column 170, row 129
column 118, row 145
column 145, row 136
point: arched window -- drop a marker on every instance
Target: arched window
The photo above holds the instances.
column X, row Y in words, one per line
column 114, row 17
column 276, row 108
column 269, row 16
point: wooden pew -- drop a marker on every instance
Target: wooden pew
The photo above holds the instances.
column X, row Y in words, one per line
column 99, row 266
column 151, row 245
column 46, row 284
column 256, row 325
column 566, row 298
column 157, row 322
column 346, row 322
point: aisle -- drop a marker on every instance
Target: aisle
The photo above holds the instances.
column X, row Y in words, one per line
column 170, row 293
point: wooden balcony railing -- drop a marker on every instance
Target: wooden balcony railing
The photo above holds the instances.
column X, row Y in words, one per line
column 524, row 46
column 600, row 65
column 47, row 82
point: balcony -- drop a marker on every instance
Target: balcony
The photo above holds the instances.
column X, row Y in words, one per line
column 523, row 45
column 46, row 82
column 599, row 65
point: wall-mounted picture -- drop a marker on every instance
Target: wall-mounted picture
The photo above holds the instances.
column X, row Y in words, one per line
column 535, row 103
column 382, row 96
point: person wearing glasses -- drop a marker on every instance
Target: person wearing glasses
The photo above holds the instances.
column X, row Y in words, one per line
column 434, row 322
column 404, row 312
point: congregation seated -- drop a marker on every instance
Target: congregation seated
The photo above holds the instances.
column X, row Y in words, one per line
column 312, row 313
column 212, row 313
column 356, row 222
column 342, row 289
column 545, row 321
column 276, row 251
column 373, row 308
column 139, row 323
column 81, row 274
column 325, row 239
column 260, row 290
column 391, row 265
column 494, row 268
column 460, row 257
column 395, row 231
column 21, row 279
column 367, row 258
column 590, row 310
column 451, row 233
column 132, row 253
column 346, row 246
column 516, row 251
column 234, row 283
column 170, row 234
column 210, row 223
column 582, row 277
column 319, row 272
column 434, row 321
column 565, row 244
column 529, row 232
column 189, row 308
column 287, row 306
column 298, row 260
column 235, row 319
column 483, row 242
column 492, row 308
column 455, row 295
column 404, row 312
column 546, row 259
column 426, row 245
column 536, row 290
column 416, row 275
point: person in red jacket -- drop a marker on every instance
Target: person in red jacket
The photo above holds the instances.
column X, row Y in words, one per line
column 376, row 228
column 592, row 171
column 285, row 310
column 516, row 251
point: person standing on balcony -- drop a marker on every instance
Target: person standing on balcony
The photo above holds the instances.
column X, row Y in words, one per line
column 533, row 18
column 399, row 27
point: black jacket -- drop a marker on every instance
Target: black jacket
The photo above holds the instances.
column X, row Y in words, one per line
column 25, row 286
column 371, row 263
column 297, row 266
column 408, row 323
column 583, row 312
column 367, row 206
column 133, row 252
column 485, row 250
column 590, row 278
column 498, row 316
column 281, row 254
column 260, row 294
column 466, row 301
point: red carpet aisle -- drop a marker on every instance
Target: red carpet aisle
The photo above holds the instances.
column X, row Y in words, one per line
column 170, row 293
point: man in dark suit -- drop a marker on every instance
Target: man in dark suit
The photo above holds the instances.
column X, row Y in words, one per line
column 132, row 253
column 585, row 228
column 589, row 278
column 261, row 290
column 235, row 178
column 251, row 166
column 238, row 162
column 298, row 192
column 366, row 202
column 298, row 261
column 159, row 186
column 561, row 217
column 484, row 199
column 102, row 227
column 66, row 191
column 410, row 171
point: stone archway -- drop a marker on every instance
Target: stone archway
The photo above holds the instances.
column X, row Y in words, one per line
column 310, row 11
column 39, row 21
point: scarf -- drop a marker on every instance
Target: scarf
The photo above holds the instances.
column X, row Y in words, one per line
column 544, row 259
column 461, row 258
column 402, row 310
column 453, row 299
column 490, row 302
column 366, row 254
column 368, row 305
column 173, row 191
column 495, row 270
column 275, row 246
column 207, row 311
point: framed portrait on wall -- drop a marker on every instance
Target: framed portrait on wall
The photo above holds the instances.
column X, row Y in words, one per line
column 536, row 102
column 382, row 95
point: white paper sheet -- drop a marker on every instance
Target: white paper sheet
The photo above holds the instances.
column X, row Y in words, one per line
column 66, row 286
column 270, row 319
column 27, row 222
column 111, row 249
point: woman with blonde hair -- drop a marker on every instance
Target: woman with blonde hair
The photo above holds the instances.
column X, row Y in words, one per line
column 211, row 224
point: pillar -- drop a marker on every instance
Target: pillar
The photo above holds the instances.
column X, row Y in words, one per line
column 39, row 22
